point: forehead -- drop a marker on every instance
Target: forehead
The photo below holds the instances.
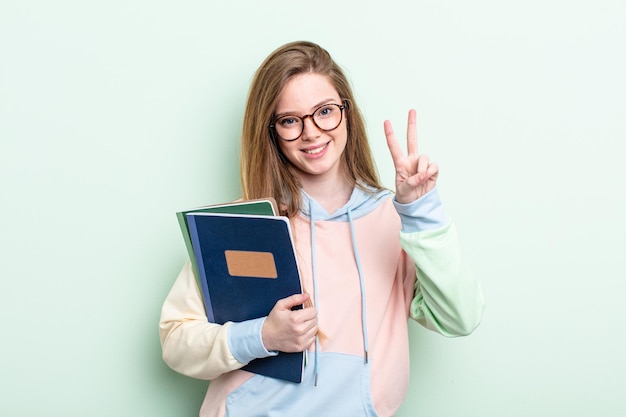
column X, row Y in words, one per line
column 304, row 92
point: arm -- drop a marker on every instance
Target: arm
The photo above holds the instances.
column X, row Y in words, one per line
column 447, row 298
column 194, row 347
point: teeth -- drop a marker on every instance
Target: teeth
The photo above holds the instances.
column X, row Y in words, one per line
column 315, row 151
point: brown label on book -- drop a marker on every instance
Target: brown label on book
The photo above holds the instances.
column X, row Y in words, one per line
column 250, row 264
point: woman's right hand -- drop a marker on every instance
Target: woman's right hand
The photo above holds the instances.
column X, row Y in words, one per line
column 288, row 330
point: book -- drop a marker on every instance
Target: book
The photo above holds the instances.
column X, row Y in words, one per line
column 264, row 206
column 246, row 263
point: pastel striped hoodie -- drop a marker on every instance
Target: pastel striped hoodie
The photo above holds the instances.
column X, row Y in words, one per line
column 370, row 266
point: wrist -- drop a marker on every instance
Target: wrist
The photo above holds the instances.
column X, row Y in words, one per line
column 246, row 342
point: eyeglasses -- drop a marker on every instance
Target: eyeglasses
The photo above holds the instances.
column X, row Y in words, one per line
column 326, row 118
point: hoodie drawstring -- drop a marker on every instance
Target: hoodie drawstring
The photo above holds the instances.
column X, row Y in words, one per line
column 314, row 268
column 361, row 283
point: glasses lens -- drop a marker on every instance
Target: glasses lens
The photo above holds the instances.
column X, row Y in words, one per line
column 289, row 127
column 327, row 117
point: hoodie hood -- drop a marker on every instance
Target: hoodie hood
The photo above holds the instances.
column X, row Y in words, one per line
column 363, row 200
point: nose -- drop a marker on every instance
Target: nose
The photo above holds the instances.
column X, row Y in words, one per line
column 309, row 128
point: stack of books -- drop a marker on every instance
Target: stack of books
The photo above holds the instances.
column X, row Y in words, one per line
column 243, row 257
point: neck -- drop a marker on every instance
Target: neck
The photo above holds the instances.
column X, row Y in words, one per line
column 330, row 194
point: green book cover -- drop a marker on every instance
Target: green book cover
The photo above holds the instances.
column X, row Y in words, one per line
column 262, row 206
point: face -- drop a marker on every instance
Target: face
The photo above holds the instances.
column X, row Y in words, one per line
column 316, row 154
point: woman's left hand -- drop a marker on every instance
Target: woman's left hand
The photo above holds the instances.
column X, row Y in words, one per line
column 415, row 174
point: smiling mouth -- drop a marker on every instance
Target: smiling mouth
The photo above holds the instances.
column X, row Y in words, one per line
column 316, row 150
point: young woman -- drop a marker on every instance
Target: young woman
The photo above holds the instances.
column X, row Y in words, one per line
column 370, row 258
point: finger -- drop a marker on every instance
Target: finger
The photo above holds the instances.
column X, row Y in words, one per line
column 305, row 340
column 392, row 143
column 309, row 326
column 411, row 133
column 422, row 163
column 310, row 334
column 305, row 315
column 433, row 171
column 415, row 180
column 292, row 301
column 422, row 177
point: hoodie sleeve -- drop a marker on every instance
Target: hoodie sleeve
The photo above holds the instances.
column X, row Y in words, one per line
column 190, row 344
column 194, row 347
column 447, row 298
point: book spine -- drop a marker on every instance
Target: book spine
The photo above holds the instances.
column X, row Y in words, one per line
column 193, row 232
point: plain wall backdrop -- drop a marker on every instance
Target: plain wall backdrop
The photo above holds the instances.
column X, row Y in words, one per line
column 114, row 115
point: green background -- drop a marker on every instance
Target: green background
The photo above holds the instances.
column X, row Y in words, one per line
column 114, row 115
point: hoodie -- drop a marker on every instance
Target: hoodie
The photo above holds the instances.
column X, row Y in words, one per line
column 370, row 266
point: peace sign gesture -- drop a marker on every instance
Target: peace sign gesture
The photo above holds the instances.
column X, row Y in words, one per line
column 415, row 174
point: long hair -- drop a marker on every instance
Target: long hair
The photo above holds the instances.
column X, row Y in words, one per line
column 265, row 171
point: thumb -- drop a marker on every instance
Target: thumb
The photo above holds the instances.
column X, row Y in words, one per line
column 292, row 301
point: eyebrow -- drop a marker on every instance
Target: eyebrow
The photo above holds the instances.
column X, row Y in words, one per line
column 316, row 106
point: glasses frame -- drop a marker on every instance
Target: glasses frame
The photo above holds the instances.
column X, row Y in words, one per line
column 342, row 107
